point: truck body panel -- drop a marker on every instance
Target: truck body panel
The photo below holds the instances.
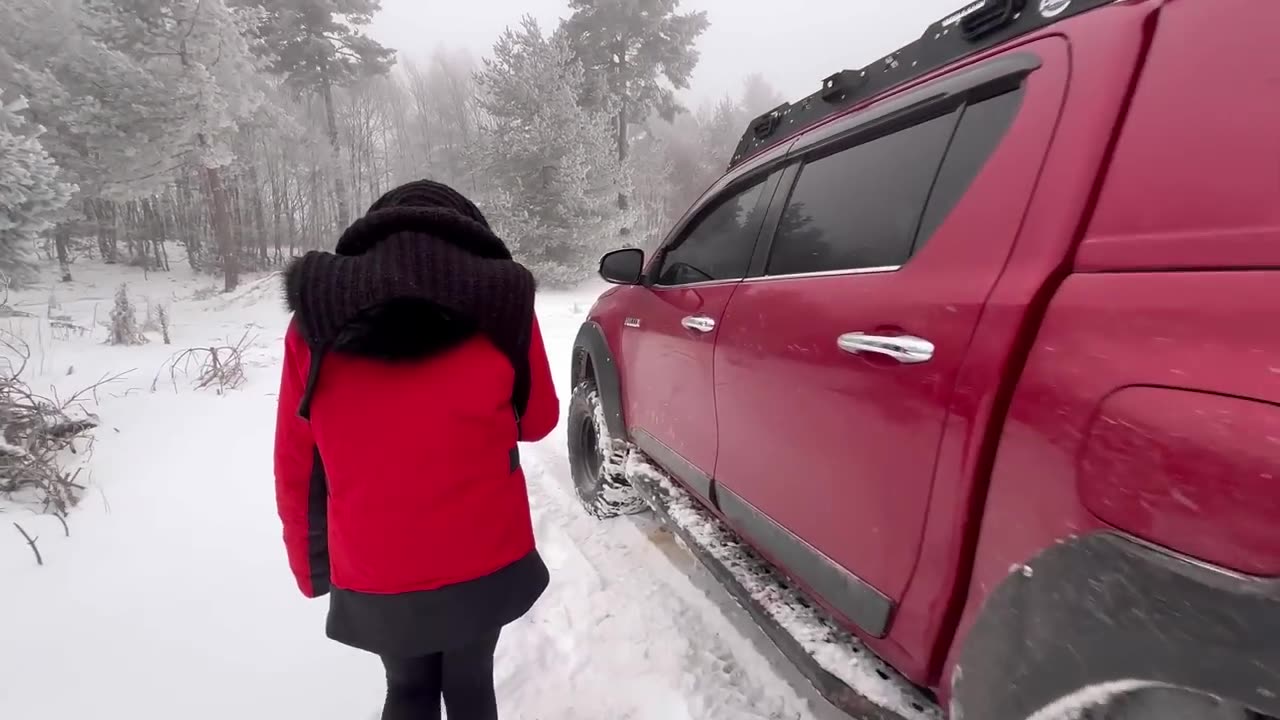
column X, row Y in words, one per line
column 1103, row 301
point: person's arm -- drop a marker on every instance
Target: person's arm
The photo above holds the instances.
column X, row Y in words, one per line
column 543, row 411
column 300, row 484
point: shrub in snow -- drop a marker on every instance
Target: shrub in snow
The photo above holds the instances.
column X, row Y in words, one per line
column 31, row 195
column 157, row 320
column 217, row 367
column 162, row 319
column 38, row 435
column 124, row 320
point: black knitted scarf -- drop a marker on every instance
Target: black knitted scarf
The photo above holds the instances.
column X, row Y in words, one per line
column 408, row 281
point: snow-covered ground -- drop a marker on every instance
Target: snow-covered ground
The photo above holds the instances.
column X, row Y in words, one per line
column 171, row 597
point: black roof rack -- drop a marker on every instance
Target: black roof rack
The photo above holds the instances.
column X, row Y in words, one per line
column 980, row 25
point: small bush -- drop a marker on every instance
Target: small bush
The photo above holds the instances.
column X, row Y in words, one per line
column 123, row 325
column 217, row 367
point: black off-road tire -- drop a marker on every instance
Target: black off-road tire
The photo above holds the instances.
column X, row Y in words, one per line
column 1169, row 704
column 597, row 460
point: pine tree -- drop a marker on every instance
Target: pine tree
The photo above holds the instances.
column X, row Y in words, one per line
column 549, row 160
column 318, row 45
column 46, row 57
column 202, row 82
column 136, row 93
column 635, row 44
column 31, row 194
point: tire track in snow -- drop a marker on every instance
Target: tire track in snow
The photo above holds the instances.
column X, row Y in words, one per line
column 621, row 633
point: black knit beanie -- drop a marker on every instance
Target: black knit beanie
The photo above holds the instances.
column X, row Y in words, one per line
column 429, row 193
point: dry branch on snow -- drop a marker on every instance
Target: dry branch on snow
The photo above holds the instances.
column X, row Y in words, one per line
column 34, row 432
column 216, row 366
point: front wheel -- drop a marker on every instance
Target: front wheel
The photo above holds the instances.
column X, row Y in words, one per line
column 597, row 460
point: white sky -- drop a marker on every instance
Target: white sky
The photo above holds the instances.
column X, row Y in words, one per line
column 793, row 43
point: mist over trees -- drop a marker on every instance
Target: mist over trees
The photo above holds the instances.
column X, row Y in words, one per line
column 246, row 132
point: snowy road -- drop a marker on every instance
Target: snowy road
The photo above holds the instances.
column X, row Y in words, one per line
column 171, row 598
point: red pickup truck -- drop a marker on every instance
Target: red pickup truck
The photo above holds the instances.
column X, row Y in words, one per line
column 977, row 352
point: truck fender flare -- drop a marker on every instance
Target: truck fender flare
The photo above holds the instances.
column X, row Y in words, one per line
column 1105, row 610
column 591, row 345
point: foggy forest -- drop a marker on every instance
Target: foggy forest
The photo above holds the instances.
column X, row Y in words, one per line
column 246, row 132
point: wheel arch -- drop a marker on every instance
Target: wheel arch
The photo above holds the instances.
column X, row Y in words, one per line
column 1106, row 610
column 592, row 359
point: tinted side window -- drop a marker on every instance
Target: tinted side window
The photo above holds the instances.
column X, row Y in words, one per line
column 982, row 127
column 860, row 207
column 719, row 246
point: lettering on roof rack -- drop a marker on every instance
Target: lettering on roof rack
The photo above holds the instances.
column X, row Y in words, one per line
column 975, row 7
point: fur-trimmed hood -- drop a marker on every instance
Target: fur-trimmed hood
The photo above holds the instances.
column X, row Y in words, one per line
column 408, row 282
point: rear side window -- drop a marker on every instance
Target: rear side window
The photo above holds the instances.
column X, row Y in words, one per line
column 982, row 127
column 877, row 204
column 860, row 207
column 719, row 246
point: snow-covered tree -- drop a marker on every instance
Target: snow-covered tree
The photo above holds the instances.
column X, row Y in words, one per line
column 204, row 79
column 122, row 328
column 318, row 46
column 31, row 193
column 549, row 161
column 634, row 45
column 138, row 95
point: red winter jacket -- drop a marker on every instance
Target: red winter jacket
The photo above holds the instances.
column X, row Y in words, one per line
column 420, row 492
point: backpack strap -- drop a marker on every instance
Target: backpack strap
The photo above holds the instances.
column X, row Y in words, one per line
column 313, row 378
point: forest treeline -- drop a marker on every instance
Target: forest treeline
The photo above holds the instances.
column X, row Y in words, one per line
column 246, row 132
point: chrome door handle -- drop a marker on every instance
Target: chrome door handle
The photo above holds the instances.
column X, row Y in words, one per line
column 699, row 323
column 906, row 349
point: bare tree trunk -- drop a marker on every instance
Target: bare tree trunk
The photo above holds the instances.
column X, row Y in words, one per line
column 317, row 208
column 623, row 142
column 104, row 227
column 259, row 214
column 291, row 208
column 130, row 237
column 187, row 231
column 221, row 217
column 339, row 185
column 153, row 218
column 162, row 232
column 623, row 202
column 62, row 242
column 277, row 206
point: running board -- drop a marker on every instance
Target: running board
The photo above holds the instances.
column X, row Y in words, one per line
column 841, row 668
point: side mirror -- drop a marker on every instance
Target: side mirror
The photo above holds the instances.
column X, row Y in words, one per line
column 623, row 267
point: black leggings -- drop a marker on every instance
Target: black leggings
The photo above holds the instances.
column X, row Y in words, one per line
column 464, row 677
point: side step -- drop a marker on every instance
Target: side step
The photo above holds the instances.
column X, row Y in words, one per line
column 843, row 670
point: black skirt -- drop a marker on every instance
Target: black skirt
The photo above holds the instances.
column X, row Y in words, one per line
column 430, row 621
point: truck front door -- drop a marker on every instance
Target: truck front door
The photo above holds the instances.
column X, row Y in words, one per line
column 668, row 341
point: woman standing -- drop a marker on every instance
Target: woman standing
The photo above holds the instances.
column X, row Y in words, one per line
column 413, row 367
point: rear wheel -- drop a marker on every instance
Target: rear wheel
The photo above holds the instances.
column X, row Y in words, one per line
column 597, row 460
